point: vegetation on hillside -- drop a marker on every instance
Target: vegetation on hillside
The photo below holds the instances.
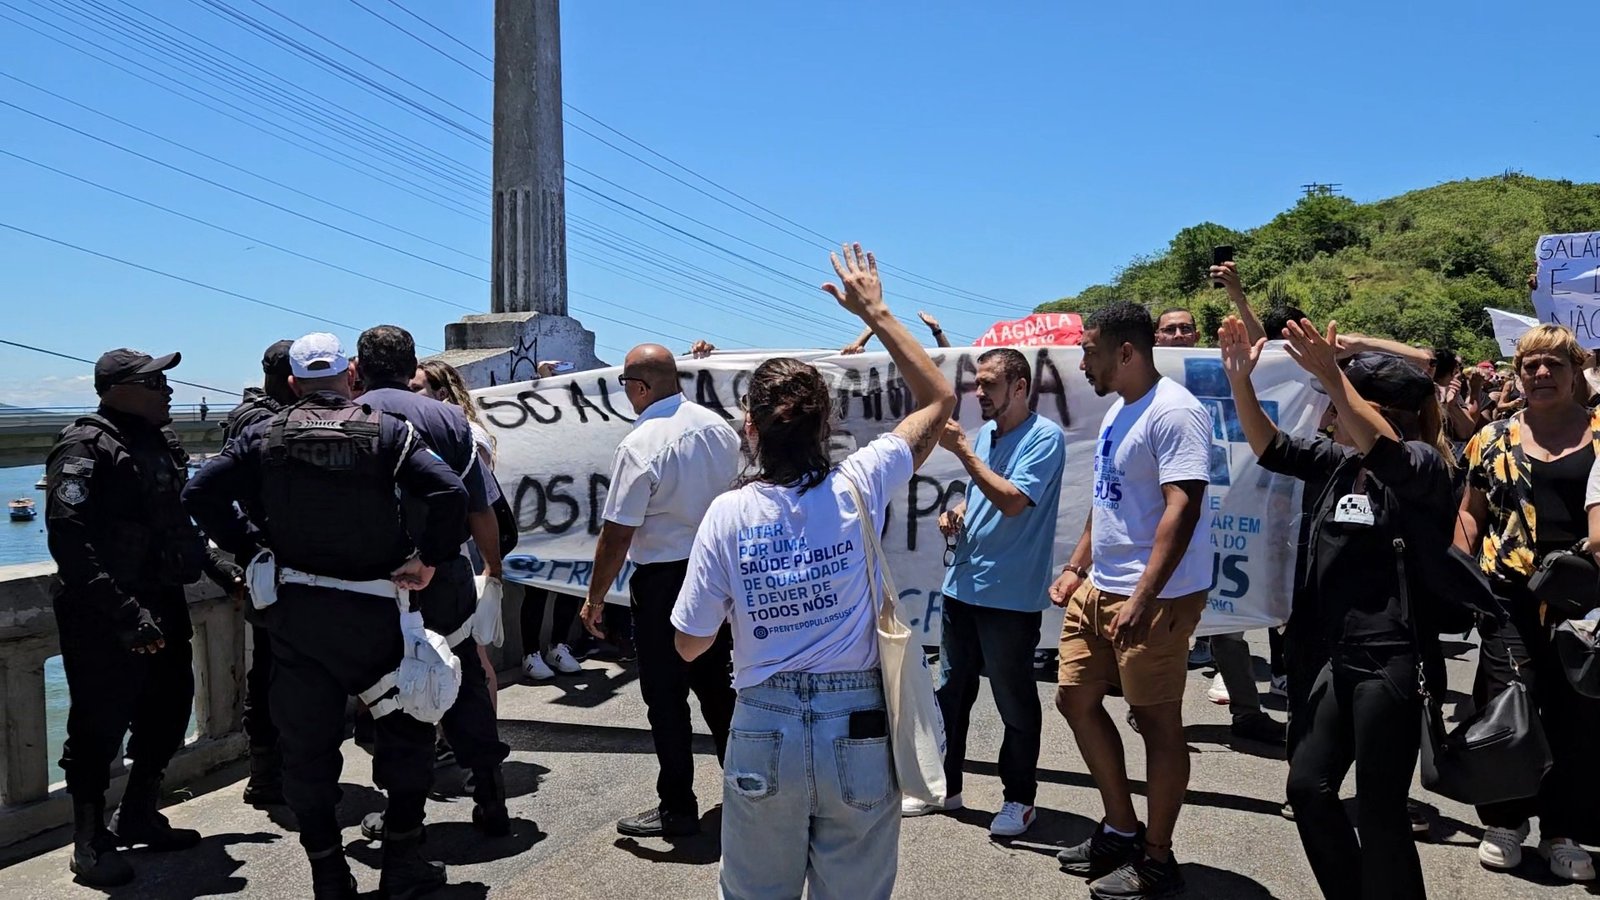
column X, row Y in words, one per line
column 1420, row 267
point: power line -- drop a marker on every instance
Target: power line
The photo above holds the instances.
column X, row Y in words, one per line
column 245, row 194
column 400, row 6
column 419, row 39
column 203, row 387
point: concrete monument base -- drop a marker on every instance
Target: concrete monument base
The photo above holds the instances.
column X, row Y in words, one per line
column 500, row 348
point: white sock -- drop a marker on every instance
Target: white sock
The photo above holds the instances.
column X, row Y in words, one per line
column 1125, row 834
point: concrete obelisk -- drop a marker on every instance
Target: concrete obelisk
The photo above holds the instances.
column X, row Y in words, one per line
column 528, row 319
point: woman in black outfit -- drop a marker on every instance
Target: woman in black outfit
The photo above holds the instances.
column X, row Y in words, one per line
column 1384, row 480
column 1526, row 480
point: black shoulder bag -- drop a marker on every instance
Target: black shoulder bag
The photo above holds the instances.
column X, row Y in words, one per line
column 1498, row 753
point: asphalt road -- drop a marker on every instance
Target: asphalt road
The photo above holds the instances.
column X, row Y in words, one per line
column 582, row 758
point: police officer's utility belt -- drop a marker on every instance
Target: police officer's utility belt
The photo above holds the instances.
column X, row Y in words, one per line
column 429, row 677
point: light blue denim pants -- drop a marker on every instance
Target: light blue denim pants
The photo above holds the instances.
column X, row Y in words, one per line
column 803, row 803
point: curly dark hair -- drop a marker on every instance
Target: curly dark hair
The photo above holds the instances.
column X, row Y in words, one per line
column 386, row 354
column 791, row 406
column 1124, row 322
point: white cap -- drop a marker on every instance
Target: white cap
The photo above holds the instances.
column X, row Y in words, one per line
column 317, row 355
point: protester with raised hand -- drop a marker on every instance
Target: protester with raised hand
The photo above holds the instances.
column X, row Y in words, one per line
column 859, row 345
column 1526, row 482
column 809, row 794
column 1386, row 480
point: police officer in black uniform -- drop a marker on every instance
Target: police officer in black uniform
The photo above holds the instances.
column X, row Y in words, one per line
column 388, row 361
column 265, row 787
column 124, row 548
column 323, row 474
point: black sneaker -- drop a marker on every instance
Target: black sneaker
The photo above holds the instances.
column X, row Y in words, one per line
column 658, row 823
column 1101, row 853
column 1138, row 880
column 1419, row 818
column 1258, row 726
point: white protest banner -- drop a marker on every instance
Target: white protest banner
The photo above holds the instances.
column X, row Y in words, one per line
column 1568, row 292
column 1509, row 328
column 556, row 438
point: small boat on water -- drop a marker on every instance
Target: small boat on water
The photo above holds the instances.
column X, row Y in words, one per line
column 41, row 484
column 22, row 510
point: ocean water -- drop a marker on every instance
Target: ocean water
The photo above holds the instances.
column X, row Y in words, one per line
column 24, row 542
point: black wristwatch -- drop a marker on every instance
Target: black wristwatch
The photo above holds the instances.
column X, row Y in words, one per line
column 938, row 331
column 1079, row 571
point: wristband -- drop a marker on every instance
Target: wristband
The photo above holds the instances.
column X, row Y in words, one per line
column 1079, row 571
column 938, row 331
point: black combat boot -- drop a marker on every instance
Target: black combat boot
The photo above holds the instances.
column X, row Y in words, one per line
column 137, row 820
column 405, row 873
column 95, row 859
column 489, row 813
column 265, row 787
column 330, row 875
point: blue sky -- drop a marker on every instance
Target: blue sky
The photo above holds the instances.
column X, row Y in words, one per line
column 1015, row 151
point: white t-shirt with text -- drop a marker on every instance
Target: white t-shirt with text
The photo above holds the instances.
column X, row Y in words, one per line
column 789, row 571
column 1162, row 438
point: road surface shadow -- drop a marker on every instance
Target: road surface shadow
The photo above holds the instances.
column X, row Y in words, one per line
column 700, row 849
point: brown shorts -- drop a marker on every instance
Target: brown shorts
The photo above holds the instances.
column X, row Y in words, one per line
column 1149, row 673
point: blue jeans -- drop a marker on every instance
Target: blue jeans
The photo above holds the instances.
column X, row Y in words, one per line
column 804, row 803
column 983, row 640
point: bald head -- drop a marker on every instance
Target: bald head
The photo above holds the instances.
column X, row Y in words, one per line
column 649, row 373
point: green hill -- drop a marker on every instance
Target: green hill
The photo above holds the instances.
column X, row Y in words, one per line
column 1420, row 267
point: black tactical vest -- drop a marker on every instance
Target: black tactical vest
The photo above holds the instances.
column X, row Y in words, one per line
column 150, row 541
column 328, row 493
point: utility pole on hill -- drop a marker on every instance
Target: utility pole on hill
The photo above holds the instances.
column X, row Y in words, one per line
column 1315, row 189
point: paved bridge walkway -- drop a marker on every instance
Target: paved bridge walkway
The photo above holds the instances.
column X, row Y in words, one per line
column 582, row 758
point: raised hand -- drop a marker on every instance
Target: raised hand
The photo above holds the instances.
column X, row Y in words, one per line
column 1227, row 276
column 852, row 349
column 1315, row 352
column 858, row 270
column 928, row 320
column 1239, row 353
column 702, row 348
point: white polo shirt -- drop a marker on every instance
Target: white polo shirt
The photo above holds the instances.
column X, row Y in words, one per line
column 677, row 459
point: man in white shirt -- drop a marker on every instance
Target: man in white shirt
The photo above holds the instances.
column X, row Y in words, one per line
column 1134, row 590
column 665, row 474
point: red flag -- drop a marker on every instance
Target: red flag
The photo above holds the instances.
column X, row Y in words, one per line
column 1037, row 330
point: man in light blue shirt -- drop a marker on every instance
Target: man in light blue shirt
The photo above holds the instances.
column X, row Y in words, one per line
column 997, row 580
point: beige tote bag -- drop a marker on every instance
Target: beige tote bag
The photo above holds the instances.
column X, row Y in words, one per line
column 916, row 727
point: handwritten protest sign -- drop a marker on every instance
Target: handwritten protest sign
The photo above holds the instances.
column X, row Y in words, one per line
column 556, row 438
column 1568, row 292
column 1037, row 330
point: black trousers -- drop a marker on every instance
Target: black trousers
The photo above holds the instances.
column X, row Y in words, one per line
column 258, row 724
column 326, row 646
column 470, row 726
column 980, row 640
column 116, row 693
column 561, row 621
column 665, row 680
column 1363, row 709
column 1565, row 803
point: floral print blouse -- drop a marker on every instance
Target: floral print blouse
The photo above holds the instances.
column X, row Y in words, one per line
column 1507, row 547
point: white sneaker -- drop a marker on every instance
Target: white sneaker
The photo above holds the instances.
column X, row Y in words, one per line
column 1013, row 819
column 560, row 658
column 533, row 666
column 1568, row 861
column 1218, row 693
column 1280, row 685
column 911, row 806
column 1502, row 847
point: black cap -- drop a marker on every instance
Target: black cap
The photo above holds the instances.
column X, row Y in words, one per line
column 276, row 360
column 118, row 366
column 1387, row 380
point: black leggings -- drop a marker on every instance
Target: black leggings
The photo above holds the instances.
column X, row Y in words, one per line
column 533, row 603
column 1363, row 709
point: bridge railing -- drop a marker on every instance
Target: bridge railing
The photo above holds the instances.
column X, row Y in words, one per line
column 61, row 416
column 29, row 802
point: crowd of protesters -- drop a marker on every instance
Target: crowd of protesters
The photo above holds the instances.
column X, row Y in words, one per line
column 1416, row 454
